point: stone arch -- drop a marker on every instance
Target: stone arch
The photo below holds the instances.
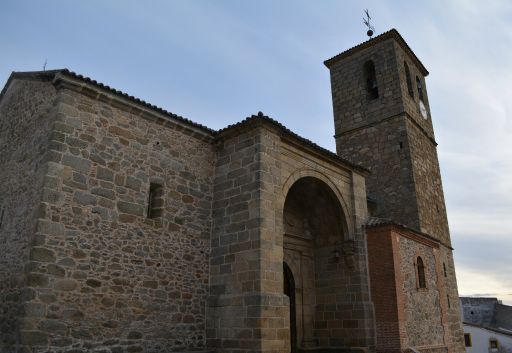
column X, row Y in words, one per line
column 305, row 172
column 317, row 232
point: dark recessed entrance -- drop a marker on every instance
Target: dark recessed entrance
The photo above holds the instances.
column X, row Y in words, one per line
column 289, row 290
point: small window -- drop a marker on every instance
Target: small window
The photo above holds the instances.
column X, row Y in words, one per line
column 420, row 268
column 494, row 344
column 408, row 79
column 444, row 270
column 155, row 200
column 467, row 340
column 448, row 301
column 2, row 211
column 420, row 88
column 372, row 87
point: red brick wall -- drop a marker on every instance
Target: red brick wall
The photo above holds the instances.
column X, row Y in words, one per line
column 383, row 289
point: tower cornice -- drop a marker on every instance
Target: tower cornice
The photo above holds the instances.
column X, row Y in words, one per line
column 391, row 34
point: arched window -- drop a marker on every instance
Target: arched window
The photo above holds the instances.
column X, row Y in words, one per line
column 408, row 79
column 420, row 88
column 420, row 268
column 371, row 80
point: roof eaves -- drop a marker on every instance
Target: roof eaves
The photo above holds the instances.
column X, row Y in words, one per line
column 392, row 33
column 136, row 100
column 493, row 329
column 375, row 222
column 262, row 118
column 62, row 74
column 33, row 75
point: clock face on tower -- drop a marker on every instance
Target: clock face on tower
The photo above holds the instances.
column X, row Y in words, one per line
column 423, row 110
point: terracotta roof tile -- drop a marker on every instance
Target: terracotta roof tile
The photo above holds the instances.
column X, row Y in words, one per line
column 50, row 74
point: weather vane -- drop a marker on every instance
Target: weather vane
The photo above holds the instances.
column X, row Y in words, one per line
column 366, row 21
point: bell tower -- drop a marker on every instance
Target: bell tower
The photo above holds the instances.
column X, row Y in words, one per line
column 382, row 121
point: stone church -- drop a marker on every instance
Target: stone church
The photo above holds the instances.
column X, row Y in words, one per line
column 125, row 228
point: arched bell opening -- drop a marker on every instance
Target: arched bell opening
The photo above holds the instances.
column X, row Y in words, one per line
column 315, row 228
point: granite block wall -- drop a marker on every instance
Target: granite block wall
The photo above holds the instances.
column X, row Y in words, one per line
column 384, row 151
column 247, row 308
column 428, row 185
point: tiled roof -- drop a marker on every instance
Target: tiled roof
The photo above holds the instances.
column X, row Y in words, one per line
column 260, row 117
column 493, row 329
column 51, row 74
column 66, row 72
column 376, row 221
column 373, row 222
column 137, row 100
column 392, row 33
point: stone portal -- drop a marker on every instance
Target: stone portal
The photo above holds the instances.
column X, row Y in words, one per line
column 315, row 229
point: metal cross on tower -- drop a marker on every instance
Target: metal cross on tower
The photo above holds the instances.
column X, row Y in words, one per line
column 366, row 21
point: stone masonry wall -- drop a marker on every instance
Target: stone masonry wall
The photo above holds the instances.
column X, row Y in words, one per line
column 247, row 309
column 422, row 309
column 352, row 107
column 384, row 150
column 428, row 185
column 343, row 312
column 104, row 276
column 455, row 330
column 411, row 104
column 389, row 136
column 25, row 122
column 408, row 316
column 479, row 311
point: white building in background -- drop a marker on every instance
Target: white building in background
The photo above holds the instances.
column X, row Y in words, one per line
column 487, row 325
column 480, row 339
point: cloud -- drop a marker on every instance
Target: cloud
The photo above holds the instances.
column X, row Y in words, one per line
column 217, row 62
column 470, row 284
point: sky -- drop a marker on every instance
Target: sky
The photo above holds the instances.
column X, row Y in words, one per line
column 217, row 62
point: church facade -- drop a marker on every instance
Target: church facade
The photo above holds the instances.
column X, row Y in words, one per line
column 126, row 228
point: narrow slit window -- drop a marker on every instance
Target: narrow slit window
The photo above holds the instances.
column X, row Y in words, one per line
column 420, row 268
column 448, row 301
column 155, row 201
column 2, row 211
column 408, row 79
column 444, row 270
column 372, row 87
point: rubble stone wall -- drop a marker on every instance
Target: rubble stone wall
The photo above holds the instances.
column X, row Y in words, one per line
column 103, row 275
column 25, row 124
column 422, row 309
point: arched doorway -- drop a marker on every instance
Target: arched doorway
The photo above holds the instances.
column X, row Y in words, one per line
column 289, row 290
column 315, row 229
